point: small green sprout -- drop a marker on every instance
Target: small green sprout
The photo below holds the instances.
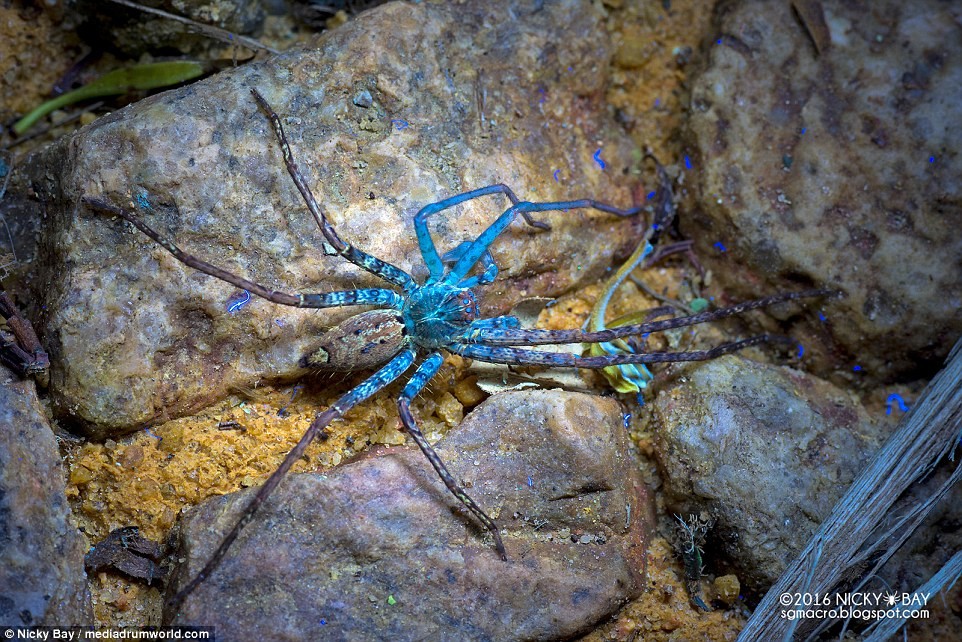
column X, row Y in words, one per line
column 120, row 81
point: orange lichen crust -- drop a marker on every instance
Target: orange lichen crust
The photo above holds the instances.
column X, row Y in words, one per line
column 146, row 479
column 650, row 67
column 664, row 611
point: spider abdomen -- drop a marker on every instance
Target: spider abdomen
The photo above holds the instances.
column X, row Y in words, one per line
column 361, row 342
column 438, row 314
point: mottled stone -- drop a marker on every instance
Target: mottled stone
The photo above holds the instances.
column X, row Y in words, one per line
column 379, row 549
column 42, row 581
column 839, row 169
column 135, row 336
column 765, row 451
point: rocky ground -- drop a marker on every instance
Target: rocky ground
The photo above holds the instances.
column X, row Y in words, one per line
column 807, row 148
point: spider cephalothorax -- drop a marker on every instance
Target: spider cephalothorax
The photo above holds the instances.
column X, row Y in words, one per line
column 438, row 314
column 414, row 322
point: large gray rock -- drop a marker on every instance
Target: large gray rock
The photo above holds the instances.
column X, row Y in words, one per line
column 379, row 549
column 403, row 106
column 42, row 580
column 765, row 451
column 840, row 169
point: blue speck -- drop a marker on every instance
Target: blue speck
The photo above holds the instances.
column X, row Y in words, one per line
column 898, row 399
column 555, row 174
column 399, row 123
column 645, row 335
column 857, row 368
column 656, row 227
column 687, row 162
column 530, row 482
column 323, row 622
column 651, row 195
column 571, row 68
column 931, row 159
column 151, row 433
column 626, row 419
column 822, row 317
column 718, row 42
column 657, row 102
column 237, row 301
column 804, row 129
column 640, row 399
column 544, row 95
column 720, row 246
column 280, row 323
column 597, row 156
column 142, row 201
column 801, row 350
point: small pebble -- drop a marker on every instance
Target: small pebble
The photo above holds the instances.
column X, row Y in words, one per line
column 727, row 588
column 363, row 99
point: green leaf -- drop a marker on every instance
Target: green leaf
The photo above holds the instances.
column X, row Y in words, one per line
column 120, row 81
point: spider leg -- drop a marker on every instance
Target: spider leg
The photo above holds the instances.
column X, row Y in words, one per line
column 386, row 375
column 488, row 266
column 525, row 337
column 526, row 357
column 417, row 382
column 369, row 296
column 374, row 265
column 506, row 321
column 426, row 244
column 480, row 245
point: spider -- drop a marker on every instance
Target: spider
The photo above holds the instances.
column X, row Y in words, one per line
column 413, row 321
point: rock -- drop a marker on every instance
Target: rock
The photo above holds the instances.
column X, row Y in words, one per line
column 839, row 169
column 766, row 451
column 42, row 581
column 137, row 32
column 378, row 547
column 136, row 337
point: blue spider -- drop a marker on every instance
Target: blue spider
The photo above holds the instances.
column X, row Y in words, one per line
column 414, row 319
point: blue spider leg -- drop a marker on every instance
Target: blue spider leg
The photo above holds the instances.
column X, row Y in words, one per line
column 506, row 321
column 525, row 357
column 428, row 251
column 374, row 265
column 386, row 375
column 513, row 337
column 488, row 266
column 371, row 296
column 424, row 373
column 365, row 296
column 480, row 245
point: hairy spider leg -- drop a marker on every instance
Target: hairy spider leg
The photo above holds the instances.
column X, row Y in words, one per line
column 480, row 245
column 372, row 264
column 489, row 269
column 529, row 337
column 524, row 357
column 429, row 252
column 424, row 373
column 341, row 298
column 386, row 375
